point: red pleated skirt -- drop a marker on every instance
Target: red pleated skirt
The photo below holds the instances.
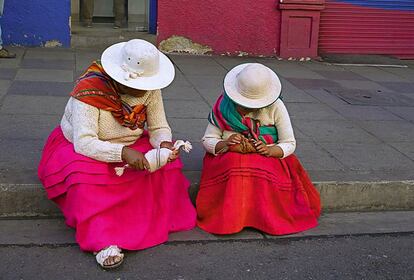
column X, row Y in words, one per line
column 134, row 211
column 272, row 195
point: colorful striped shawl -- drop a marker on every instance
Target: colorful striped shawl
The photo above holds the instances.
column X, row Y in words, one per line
column 225, row 116
column 97, row 89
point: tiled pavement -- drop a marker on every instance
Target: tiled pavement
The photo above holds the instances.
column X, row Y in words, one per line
column 351, row 123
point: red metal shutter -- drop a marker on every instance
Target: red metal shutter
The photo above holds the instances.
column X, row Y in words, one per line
column 368, row 27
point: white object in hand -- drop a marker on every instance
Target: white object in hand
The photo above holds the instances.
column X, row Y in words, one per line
column 157, row 158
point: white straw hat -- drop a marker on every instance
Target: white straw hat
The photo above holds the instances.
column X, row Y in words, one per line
column 252, row 85
column 138, row 64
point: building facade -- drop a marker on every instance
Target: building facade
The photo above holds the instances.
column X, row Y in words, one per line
column 244, row 27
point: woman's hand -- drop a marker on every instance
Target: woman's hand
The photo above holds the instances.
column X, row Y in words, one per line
column 234, row 139
column 135, row 159
column 223, row 146
column 268, row 151
column 261, row 148
column 175, row 152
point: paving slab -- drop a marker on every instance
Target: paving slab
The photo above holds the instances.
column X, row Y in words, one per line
column 406, row 148
column 404, row 73
column 313, row 84
column 4, row 87
column 20, row 153
column 390, row 131
column 402, row 87
column 181, row 93
column 359, row 156
column 339, row 76
column 291, row 94
column 190, row 59
column 336, row 131
column 374, row 74
column 324, row 66
column 366, row 113
column 206, row 82
column 33, row 105
column 40, row 88
column 190, row 129
column 373, row 97
column 326, row 97
column 194, row 160
column 34, row 127
column 53, row 54
column 292, row 70
column 231, row 62
column 196, row 109
column 84, row 59
column 312, row 111
column 47, row 64
column 206, row 70
column 404, row 112
column 314, row 157
column 44, row 75
column 210, row 95
column 364, row 85
column 7, row 73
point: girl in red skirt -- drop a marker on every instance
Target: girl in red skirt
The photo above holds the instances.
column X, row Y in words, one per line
column 250, row 176
column 103, row 128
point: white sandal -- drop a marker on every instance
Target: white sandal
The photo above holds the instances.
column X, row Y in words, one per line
column 111, row 251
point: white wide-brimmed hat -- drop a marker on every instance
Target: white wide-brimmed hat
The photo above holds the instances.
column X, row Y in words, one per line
column 138, row 64
column 252, row 85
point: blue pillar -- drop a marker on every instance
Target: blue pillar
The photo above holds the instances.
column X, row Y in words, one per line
column 153, row 17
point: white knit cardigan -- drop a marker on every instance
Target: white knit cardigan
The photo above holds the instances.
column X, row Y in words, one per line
column 96, row 134
column 275, row 114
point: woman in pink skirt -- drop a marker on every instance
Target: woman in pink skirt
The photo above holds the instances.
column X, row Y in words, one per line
column 103, row 128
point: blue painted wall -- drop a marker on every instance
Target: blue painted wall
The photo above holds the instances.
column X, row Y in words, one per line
column 36, row 22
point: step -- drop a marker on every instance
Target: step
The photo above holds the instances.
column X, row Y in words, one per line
column 26, row 200
column 54, row 232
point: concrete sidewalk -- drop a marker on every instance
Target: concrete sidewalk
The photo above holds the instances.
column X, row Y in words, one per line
column 354, row 125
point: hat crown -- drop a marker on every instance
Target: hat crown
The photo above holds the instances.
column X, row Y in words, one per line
column 254, row 81
column 140, row 58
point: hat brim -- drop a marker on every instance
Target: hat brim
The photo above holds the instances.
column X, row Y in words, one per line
column 112, row 60
column 232, row 92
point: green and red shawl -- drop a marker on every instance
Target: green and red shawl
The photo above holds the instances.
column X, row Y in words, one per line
column 97, row 89
column 225, row 116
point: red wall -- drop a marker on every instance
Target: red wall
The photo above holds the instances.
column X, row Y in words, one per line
column 226, row 26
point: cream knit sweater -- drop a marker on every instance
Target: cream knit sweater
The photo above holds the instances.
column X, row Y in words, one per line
column 96, row 134
column 275, row 114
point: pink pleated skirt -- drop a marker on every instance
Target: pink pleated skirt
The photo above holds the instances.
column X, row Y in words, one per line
column 134, row 211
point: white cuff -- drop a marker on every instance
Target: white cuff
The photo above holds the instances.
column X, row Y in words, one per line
column 157, row 138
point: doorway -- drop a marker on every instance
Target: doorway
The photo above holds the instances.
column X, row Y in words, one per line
column 136, row 14
column 139, row 22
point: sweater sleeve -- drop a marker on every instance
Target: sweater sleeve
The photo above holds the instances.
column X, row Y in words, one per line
column 287, row 141
column 158, row 128
column 212, row 136
column 85, row 134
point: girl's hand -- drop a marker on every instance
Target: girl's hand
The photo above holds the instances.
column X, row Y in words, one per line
column 234, row 139
column 261, row 148
column 135, row 159
column 268, row 151
column 169, row 145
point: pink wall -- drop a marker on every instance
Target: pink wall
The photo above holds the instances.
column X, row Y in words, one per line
column 226, row 26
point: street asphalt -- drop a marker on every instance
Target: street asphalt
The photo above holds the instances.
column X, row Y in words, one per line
column 380, row 257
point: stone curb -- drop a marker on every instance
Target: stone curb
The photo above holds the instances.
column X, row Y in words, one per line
column 26, row 200
column 54, row 232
